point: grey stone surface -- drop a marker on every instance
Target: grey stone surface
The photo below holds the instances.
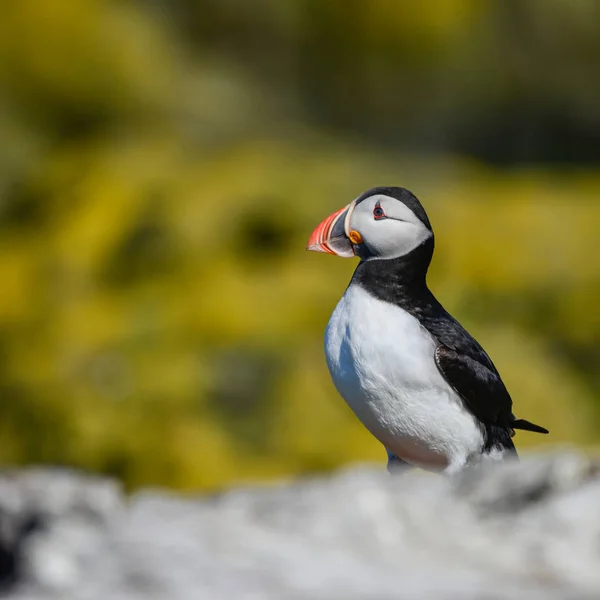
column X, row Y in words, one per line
column 527, row 530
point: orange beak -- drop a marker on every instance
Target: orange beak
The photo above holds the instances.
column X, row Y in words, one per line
column 330, row 235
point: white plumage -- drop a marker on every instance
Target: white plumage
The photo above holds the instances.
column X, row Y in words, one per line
column 382, row 363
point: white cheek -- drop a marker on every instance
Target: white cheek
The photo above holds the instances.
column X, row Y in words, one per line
column 390, row 238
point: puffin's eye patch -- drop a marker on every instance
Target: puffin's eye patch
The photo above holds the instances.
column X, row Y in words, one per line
column 378, row 212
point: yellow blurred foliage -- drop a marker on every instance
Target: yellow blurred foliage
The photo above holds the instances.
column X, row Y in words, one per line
column 136, row 331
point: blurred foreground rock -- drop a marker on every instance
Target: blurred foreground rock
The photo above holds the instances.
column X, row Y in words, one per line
column 521, row 530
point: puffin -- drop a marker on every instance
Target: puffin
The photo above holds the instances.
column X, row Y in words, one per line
column 415, row 378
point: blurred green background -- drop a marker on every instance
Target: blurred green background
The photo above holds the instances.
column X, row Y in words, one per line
column 162, row 163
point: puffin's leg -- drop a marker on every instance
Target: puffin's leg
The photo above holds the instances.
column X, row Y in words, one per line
column 395, row 464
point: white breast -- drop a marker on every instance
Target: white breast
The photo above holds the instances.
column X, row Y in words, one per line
column 381, row 361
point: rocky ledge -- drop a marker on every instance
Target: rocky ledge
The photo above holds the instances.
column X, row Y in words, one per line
column 519, row 530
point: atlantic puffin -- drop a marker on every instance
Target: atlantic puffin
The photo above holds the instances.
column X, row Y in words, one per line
column 409, row 371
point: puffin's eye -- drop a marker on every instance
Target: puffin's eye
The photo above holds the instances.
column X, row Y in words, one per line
column 378, row 212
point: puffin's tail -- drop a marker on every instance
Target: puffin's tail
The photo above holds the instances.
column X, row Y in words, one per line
column 499, row 442
column 528, row 426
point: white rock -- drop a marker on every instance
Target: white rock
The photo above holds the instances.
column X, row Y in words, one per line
column 527, row 530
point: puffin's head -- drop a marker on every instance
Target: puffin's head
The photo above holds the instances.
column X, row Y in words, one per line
column 384, row 222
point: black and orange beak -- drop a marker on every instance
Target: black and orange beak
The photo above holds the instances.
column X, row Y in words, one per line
column 331, row 235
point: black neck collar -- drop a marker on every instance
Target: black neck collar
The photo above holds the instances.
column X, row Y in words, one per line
column 402, row 280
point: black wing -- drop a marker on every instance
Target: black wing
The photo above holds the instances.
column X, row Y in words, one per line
column 465, row 365
column 480, row 387
column 468, row 369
